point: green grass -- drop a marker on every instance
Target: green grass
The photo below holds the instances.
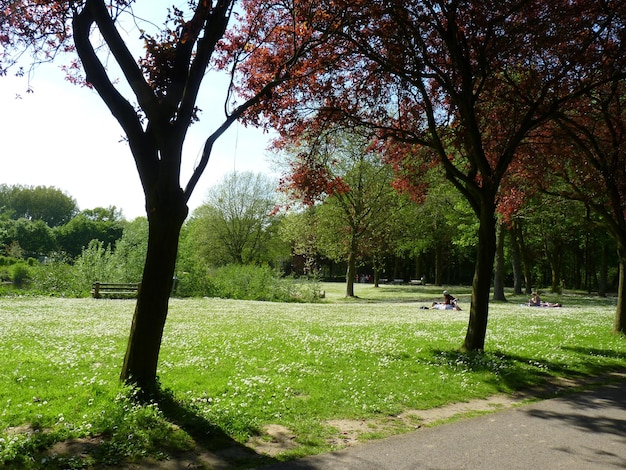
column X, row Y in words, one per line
column 229, row 368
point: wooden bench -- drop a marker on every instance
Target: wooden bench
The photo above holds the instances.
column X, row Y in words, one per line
column 112, row 290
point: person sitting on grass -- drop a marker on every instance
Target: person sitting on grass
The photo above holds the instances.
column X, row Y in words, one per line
column 535, row 301
column 449, row 302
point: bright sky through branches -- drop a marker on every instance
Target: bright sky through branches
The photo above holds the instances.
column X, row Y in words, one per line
column 63, row 135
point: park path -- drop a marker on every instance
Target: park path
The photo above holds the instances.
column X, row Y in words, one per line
column 585, row 430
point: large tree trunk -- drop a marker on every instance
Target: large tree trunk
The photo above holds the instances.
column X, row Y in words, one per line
column 619, row 326
column 481, row 286
column 142, row 353
column 498, row 280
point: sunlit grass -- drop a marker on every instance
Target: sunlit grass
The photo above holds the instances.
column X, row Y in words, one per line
column 237, row 366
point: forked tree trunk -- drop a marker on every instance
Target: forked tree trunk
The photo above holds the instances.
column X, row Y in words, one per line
column 142, row 352
column 481, row 286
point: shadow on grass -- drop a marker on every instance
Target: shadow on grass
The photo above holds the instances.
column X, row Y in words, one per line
column 214, row 448
column 517, row 373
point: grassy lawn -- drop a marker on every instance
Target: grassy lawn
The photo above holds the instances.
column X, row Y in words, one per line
column 230, row 369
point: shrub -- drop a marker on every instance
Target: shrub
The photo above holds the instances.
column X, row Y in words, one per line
column 57, row 277
column 19, row 273
column 194, row 282
column 247, row 282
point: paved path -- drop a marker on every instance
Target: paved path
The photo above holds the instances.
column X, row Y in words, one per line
column 580, row 431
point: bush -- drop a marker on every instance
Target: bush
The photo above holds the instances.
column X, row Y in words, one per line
column 194, row 282
column 19, row 273
column 57, row 277
column 247, row 282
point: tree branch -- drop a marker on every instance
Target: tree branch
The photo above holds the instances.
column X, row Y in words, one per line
column 145, row 96
column 121, row 109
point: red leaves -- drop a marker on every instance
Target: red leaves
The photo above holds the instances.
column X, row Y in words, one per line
column 309, row 180
column 42, row 27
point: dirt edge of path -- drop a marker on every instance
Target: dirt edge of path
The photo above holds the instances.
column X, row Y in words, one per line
column 277, row 439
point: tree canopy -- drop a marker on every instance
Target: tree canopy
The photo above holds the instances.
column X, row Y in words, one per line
column 46, row 203
column 236, row 223
column 456, row 84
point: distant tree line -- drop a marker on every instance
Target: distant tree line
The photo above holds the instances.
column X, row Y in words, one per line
column 38, row 221
column 363, row 233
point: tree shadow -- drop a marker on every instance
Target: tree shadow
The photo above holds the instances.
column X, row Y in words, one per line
column 547, row 379
column 214, row 448
column 599, row 411
column 599, row 398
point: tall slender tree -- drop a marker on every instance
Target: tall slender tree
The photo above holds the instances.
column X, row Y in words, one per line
column 236, row 223
column 358, row 200
column 155, row 102
column 592, row 133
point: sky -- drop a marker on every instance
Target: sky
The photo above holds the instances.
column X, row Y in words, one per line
column 64, row 136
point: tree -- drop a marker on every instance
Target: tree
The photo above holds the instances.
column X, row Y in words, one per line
column 592, row 132
column 466, row 80
column 442, row 230
column 103, row 224
column 236, row 224
column 129, row 255
column 299, row 229
column 358, row 201
column 34, row 238
column 45, row 203
column 155, row 103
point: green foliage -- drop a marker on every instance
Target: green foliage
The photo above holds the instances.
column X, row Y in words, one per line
column 94, row 264
column 248, row 282
column 236, row 224
column 20, row 273
column 29, row 238
column 129, row 255
column 101, row 224
column 57, row 277
column 48, row 204
column 193, row 281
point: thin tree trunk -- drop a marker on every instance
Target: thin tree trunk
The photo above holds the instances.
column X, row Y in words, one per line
column 554, row 259
column 516, row 264
column 604, row 271
column 144, row 343
column 525, row 260
column 351, row 271
column 438, row 265
column 619, row 326
column 479, row 307
column 498, row 280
